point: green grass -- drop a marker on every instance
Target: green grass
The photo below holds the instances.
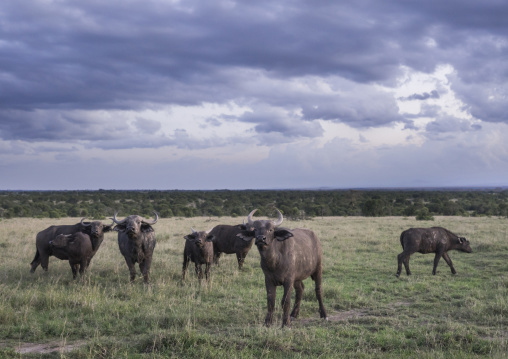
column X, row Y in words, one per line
column 372, row 314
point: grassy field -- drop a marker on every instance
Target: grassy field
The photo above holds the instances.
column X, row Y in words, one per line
column 372, row 314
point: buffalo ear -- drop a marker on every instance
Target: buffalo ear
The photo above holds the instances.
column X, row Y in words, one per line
column 107, row 229
column 119, row 228
column 210, row 238
column 282, row 234
column 146, row 228
column 247, row 236
column 462, row 240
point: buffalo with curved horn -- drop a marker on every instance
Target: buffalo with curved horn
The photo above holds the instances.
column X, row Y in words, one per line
column 136, row 239
column 288, row 256
column 95, row 230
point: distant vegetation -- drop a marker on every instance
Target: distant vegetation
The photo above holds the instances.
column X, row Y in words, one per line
column 295, row 204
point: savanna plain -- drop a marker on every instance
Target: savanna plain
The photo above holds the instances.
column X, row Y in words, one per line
column 372, row 314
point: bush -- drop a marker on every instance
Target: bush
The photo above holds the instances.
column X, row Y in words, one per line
column 424, row 215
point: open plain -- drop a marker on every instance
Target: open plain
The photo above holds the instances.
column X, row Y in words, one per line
column 372, row 314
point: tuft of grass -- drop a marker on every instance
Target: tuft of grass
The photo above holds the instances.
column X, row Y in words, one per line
column 372, row 314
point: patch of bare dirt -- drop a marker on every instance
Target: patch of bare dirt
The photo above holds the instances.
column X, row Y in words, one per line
column 51, row 347
column 347, row 315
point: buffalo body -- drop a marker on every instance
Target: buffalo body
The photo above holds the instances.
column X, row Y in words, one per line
column 226, row 241
column 288, row 256
column 199, row 250
column 95, row 230
column 136, row 240
column 436, row 240
column 77, row 248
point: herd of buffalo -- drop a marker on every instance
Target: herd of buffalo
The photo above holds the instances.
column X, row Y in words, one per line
column 288, row 256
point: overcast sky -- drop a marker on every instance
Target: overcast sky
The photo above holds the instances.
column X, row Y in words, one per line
column 168, row 94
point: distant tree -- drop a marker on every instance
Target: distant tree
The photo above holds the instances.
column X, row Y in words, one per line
column 373, row 207
column 424, row 215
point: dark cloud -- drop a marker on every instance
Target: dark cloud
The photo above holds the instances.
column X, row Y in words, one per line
column 108, row 55
column 274, row 120
column 421, row 97
column 61, row 60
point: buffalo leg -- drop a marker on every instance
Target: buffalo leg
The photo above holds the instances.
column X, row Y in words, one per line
column 132, row 269
column 216, row 257
column 318, row 279
column 144, row 266
column 436, row 261
column 83, row 266
column 240, row 259
column 199, row 271
column 449, row 261
column 403, row 258
column 299, row 288
column 399, row 264
column 207, row 270
column 44, row 257
column 74, row 268
column 286, row 303
column 35, row 263
column 270, row 301
column 184, row 266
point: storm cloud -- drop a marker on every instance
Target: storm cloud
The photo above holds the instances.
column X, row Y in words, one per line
column 229, row 82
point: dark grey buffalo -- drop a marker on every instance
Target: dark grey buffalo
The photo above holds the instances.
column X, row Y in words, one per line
column 288, row 256
column 136, row 239
column 430, row 240
column 198, row 249
column 95, row 230
column 77, row 248
column 226, row 241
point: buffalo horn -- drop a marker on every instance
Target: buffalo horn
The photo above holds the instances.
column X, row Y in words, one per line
column 116, row 220
column 154, row 221
column 249, row 217
column 279, row 221
column 84, row 224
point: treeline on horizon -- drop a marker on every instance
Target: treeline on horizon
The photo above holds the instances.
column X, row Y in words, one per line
column 294, row 204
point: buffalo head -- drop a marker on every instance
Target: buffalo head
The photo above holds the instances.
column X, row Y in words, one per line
column 96, row 228
column 199, row 238
column 264, row 231
column 134, row 225
column 61, row 240
column 464, row 245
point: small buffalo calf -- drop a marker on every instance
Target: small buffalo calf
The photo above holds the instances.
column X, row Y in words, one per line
column 198, row 249
column 430, row 240
column 78, row 250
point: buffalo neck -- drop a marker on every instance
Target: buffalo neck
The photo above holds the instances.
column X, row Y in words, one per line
column 270, row 255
